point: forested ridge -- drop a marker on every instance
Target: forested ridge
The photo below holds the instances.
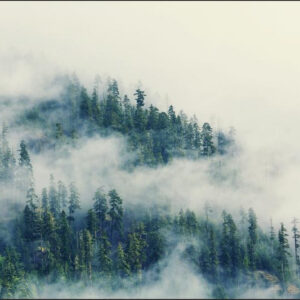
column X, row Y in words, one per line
column 113, row 245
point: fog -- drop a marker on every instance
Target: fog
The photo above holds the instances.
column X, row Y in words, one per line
column 231, row 64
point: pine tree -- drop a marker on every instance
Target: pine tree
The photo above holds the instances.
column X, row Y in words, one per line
column 224, row 246
column 45, row 203
column 74, row 203
column 140, row 118
column 24, row 160
column 122, row 266
column 91, row 220
column 127, row 118
column 95, row 107
column 25, row 173
column 208, row 147
column 283, row 254
column 152, row 122
column 53, row 198
column 272, row 236
column 12, row 274
column 87, row 244
column 104, row 256
column 134, row 251
column 85, row 105
column 64, row 232
column 140, row 97
column 62, row 194
column 115, row 212
column 100, row 207
column 252, row 239
column 296, row 237
column 234, row 247
column 212, row 256
column 113, row 110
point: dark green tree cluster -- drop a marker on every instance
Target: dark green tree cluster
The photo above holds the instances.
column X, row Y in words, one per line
column 156, row 136
column 114, row 246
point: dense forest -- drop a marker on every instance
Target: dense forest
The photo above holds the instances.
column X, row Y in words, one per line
column 51, row 237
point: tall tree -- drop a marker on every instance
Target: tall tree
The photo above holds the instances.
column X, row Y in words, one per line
column 100, row 207
column 115, row 212
column 85, row 105
column 53, row 198
column 140, row 97
column 62, row 194
column 208, row 147
column 91, row 220
column 64, row 232
column 283, row 254
column 45, row 203
column 122, row 266
column 296, row 237
column 104, row 256
column 252, row 238
column 74, row 202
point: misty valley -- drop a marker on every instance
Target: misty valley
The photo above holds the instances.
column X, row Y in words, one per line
column 104, row 195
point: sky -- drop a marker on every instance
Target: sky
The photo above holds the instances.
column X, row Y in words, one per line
column 230, row 63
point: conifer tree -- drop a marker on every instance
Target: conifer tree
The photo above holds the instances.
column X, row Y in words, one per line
column 104, row 256
column 212, row 256
column 25, row 173
column 100, row 207
column 122, row 267
column 208, row 147
column 252, row 238
column 85, row 105
column 115, row 212
column 62, row 194
column 87, row 244
column 283, row 254
column 64, row 232
column 74, row 203
column 12, row 274
column 53, row 198
column 91, row 221
column 296, row 237
column 45, row 203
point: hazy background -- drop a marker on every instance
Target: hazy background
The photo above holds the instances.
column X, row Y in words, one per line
column 232, row 64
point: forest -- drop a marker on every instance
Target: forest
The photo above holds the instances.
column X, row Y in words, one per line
column 51, row 237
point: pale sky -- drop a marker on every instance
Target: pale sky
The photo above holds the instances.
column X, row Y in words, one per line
column 231, row 63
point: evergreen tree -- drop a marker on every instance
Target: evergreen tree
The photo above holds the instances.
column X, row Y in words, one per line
column 296, row 237
column 252, row 238
column 212, row 256
column 100, row 207
column 140, row 97
column 208, row 147
column 122, row 267
column 64, row 232
column 74, row 203
column 25, row 173
column 24, row 160
column 104, row 256
column 12, row 274
column 85, row 105
column 87, row 244
column 53, row 198
column 62, row 194
column 91, row 221
column 224, row 258
column 115, row 212
column 283, row 254
column 45, row 203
